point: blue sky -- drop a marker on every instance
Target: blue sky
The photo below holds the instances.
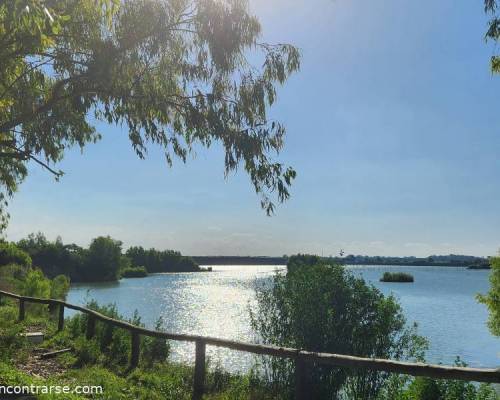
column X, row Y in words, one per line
column 393, row 127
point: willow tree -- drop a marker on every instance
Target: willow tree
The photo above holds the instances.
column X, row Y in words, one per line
column 491, row 7
column 175, row 73
column 492, row 298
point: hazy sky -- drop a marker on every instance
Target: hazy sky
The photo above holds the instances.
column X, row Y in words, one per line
column 393, row 127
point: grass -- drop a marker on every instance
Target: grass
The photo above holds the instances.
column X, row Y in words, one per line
column 397, row 277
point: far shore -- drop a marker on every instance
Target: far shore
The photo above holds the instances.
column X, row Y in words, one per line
column 479, row 263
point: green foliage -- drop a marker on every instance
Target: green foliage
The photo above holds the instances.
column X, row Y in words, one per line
column 325, row 308
column 11, row 254
column 113, row 343
column 35, row 284
column 103, row 259
column 492, row 298
column 32, row 282
column 177, row 74
column 54, row 258
column 396, row 277
column 11, row 276
column 161, row 261
column 493, row 32
column 59, row 287
column 134, row 272
column 302, row 260
column 422, row 388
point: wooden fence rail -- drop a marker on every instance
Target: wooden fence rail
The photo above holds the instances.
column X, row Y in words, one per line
column 303, row 359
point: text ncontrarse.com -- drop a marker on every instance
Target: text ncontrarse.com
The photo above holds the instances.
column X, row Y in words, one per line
column 52, row 389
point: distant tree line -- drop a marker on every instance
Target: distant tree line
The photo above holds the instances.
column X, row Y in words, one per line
column 103, row 260
column 434, row 260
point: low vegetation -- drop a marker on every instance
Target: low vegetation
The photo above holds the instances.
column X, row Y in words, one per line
column 397, row 277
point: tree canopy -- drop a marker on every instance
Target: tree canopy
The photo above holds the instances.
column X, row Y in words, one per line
column 493, row 32
column 175, row 73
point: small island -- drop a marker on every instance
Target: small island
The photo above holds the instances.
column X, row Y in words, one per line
column 402, row 277
column 134, row 272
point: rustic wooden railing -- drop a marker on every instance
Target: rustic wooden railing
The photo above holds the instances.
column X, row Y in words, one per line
column 303, row 359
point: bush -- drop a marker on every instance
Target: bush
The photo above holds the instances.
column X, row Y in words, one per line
column 35, row 284
column 11, row 254
column 134, row 272
column 114, row 343
column 325, row 308
column 492, row 298
column 10, row 277
column 423, row 388
column 59, row 287
column 396, row 277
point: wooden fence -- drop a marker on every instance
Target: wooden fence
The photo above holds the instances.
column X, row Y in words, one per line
column 303, row 359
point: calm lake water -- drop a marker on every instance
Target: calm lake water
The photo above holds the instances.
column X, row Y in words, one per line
column 441, row 300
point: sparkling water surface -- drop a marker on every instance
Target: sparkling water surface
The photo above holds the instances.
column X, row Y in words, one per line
column 441, row 300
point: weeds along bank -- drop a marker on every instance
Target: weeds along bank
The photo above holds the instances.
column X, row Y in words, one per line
column 312, row 305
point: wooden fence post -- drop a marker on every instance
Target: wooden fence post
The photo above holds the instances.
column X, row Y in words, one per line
column 90, row 327
column 21, row 310
column 301, row 372
column 134, row 356
column 199, row 370
column 60, row 324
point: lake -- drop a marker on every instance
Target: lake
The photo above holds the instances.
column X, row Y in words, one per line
column 441, row 300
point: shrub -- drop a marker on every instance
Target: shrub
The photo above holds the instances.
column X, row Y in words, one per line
column 114, row 343
column 492, row 298
column 59, row 287
column 397, row 277
column 326, row 308
column 134, row 272
column 87, row 351
column 10, row 277
column 11, row 254
column 423, row 388
column 35, row 284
